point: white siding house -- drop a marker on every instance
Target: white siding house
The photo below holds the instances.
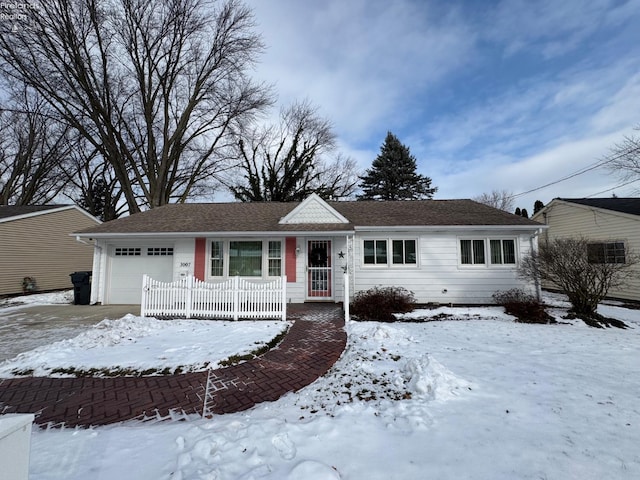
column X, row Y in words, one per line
column 610, row 223
column 445, row 251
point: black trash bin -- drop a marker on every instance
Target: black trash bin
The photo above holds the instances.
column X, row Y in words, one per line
column 81, row 287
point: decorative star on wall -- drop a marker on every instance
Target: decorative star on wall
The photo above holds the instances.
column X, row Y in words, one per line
column 341, row 254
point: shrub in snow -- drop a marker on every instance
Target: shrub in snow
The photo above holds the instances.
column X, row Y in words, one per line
column 525, row 307
column 380, row 303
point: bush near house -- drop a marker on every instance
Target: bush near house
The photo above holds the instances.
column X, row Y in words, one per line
column 525, row 307
column 379, row 304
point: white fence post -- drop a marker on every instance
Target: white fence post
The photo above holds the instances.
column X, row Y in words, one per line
column 143, row 303
column 283, row 285
column 236, row 297
column 346, row 297
column 188, row 305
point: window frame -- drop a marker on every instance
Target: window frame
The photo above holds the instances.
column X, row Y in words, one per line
column 487, row 251
column 608, row 254
column 502, row 262
column 388, row 243
column 266, row 260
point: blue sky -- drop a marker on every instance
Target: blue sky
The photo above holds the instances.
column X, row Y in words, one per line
column 487, row 95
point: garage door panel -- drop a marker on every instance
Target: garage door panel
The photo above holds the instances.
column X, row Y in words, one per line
column 127, row 267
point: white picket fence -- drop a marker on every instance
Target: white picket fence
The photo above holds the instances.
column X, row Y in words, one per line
column 233, row 298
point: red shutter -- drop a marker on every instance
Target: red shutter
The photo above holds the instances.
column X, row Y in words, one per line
column 200, row 258
column 290, row 259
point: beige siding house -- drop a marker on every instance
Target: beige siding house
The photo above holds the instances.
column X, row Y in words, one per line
column 612, row 224
column 36, row 242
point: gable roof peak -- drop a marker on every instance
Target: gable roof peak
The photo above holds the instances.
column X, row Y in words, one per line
column 313, row 209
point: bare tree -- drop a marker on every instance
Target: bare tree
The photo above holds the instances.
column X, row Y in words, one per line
column 583, row 270
column 157, row 87
column 624, row 159
column 32, row 149
column 500, row 199
column 288, row 161
column 92, row 184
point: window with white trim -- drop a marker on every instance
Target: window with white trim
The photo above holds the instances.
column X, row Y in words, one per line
column 502, row 252
column 246, row 258
column 404, row 252
column 375, row 252
column 472, row 252
column 274, row 259
column 606, row 252
column 217, row 261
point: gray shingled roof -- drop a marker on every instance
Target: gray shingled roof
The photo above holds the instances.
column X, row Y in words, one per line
column 8, row 211
column 623, row 205
column 264, row 217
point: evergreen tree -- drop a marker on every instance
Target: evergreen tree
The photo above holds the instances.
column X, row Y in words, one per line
column 393, row 176
column 524, row 213
column 518, row 212
column 537, row 206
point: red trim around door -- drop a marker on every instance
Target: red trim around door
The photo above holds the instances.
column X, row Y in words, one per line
column 200, row 258
column 290, row 259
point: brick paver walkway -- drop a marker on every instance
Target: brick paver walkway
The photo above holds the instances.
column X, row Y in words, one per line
column 314, row 343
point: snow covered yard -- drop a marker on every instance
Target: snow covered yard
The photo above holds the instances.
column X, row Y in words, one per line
column 475, row 396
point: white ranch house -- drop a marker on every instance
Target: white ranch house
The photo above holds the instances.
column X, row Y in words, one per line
column 445, row 251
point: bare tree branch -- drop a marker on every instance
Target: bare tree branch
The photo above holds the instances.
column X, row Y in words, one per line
column 156, row 87
column 290, row 160
column 500, row 199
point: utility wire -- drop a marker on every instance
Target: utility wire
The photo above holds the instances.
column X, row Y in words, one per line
column 586, row 169
column 617, row 186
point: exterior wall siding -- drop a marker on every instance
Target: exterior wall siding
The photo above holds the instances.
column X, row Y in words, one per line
column 41, row 247
column 438, row 276
column 569, row 220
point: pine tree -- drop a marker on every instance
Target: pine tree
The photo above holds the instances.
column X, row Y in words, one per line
column 518, row 212
column 537, row 206
column 393, row 176
column 524, row 213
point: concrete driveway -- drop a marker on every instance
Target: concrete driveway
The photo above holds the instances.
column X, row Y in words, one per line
column 25, row 328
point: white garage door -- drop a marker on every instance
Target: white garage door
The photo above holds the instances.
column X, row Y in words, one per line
column 128, row 264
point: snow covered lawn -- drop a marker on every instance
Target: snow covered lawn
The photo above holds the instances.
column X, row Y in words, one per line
column 146, row 345
column 476, row 396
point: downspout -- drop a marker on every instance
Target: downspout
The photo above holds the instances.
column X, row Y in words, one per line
column 532, row 249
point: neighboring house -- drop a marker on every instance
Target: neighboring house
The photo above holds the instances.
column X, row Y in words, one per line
column 445, row 251
column 612, row 225
column 36, row 243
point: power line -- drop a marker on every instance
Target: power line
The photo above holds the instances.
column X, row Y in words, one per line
column 617, row 186
column 586, row 169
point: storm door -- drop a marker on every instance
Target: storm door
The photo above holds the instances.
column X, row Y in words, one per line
column 319, row 269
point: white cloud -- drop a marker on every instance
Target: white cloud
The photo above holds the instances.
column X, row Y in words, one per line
column 361, row 61
column 509, row 96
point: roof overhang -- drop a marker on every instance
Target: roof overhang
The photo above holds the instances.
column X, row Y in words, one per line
column 49, row 211
column 278, row 233
column 449, row 228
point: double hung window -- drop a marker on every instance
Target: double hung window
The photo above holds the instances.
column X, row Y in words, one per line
column 376, row 252
column 501, row 251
